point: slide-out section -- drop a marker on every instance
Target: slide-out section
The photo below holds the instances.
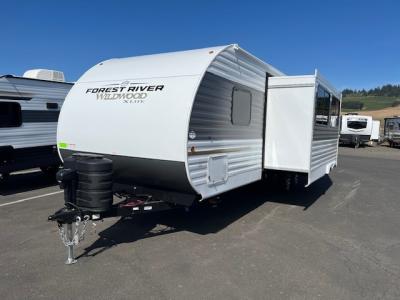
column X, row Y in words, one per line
column 302, row 126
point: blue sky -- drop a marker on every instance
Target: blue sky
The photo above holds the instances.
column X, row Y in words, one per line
column 354, row 44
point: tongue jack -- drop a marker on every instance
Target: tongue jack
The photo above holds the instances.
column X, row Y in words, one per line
column 70, row 248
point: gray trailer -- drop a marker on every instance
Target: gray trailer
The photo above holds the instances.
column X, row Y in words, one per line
column 392, row 131
column 29, row 109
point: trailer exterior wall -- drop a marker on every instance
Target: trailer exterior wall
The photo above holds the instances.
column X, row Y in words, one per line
column 324, row 154
column 153, row 129
column 324, row 148
column 147, row 140
column 39, row 123
column 238, row 146
column 392, row 130
column 376, row 126
column 392, row 124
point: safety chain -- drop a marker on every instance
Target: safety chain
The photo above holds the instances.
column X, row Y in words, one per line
column 79, row 233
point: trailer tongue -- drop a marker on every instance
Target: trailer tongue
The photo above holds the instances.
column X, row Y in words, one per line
column 88, row 196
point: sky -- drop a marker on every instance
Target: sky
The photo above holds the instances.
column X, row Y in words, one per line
column 354, row 44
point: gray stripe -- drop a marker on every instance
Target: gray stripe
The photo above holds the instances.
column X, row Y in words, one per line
column 35, row 116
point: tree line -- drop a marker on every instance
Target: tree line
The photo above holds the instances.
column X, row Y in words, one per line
column 390, row 90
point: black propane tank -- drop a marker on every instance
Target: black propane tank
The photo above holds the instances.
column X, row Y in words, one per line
column 94, row 182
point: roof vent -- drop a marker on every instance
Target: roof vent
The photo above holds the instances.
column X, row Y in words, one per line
column 44, row 74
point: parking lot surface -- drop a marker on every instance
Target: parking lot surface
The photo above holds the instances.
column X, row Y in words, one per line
column 337, row 239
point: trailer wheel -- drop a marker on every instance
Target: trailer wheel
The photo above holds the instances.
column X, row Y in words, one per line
column 50, row 171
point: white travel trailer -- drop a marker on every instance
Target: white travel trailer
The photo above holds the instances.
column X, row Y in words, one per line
column 29, row 109
column 186, row 126
column 392, row 130
column 355, row 129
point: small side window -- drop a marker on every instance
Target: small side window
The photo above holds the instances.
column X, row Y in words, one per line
column 241, row 107
column 10, row 114
column 335, row 111
column 322, row 106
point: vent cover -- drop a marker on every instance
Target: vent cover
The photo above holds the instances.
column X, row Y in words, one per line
column 45, row 74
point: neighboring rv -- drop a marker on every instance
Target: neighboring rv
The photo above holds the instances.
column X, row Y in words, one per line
column 355, row 129
column 392, row 131
column 186, row 126
column 29, row 109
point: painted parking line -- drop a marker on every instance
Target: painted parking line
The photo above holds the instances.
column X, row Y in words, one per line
column 30, row 198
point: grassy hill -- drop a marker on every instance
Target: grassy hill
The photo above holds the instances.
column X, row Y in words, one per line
column 370, row 102
column 379, row 107
column 381, row 114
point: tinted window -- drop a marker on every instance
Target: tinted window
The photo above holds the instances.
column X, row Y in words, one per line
column 357, row 124
column 335, row 111
column 10, row 114
column 322, row 106
column 241, row 107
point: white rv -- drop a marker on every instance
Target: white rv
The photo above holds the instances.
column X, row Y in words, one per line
column 392, row 131
column 186, row 126
column 29, row 109
column 196, row 123
column 355, row 129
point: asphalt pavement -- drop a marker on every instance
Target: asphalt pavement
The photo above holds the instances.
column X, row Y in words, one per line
column 337, row 239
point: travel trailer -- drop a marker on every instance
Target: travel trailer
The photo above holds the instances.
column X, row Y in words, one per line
column 172, row 130
column 29, row 109
column 392, row 131
column 355, row 129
